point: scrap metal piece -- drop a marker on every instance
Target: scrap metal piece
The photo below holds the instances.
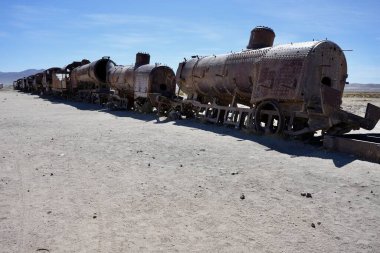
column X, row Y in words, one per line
column 365, row 146
column 331, row 98
column 372, row 116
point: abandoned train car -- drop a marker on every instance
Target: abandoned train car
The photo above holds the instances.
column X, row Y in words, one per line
column 294, row 88
column 138, row 85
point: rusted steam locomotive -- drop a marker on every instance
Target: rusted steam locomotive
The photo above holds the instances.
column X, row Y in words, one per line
column 89, row 81
column 293, row 88
column 137, row 86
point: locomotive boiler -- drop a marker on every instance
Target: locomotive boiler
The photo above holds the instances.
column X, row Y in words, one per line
column 295, row 88
column 138, row 85
column 89, row 81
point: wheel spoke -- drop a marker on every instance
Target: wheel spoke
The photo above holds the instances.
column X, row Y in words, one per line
column 269, row 121
column 268, row 118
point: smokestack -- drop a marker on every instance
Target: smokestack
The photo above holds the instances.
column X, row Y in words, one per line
column 261, row 36
column 142, row 59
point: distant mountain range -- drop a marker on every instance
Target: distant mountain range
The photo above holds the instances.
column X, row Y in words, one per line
column 359, row 87
column 7, row 78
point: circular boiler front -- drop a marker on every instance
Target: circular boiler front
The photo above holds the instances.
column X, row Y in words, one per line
column 326, row 69
column 163, row 81
column 100, row 69
column 93, row 73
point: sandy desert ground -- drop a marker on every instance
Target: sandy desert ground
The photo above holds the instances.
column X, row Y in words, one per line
column 77, row 178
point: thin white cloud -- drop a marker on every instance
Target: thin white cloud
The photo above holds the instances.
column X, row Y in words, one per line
column 159, row 25
column 3, row 34
column 31, row 19
column 29, row 14
column 112, row 19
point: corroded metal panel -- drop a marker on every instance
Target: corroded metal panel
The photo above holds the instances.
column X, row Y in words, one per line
column 142, row 81
column 224, row 77
column 365, row 146
column 49, row 79
column 331, row 98
column 261, row 36
column 121, row 78
column 281, row 72
column 278, row 79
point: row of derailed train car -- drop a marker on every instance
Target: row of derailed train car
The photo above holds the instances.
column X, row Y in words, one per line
column 294, row 89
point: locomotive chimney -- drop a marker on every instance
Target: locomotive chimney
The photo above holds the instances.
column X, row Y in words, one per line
column 142, row 59
column 261, row 36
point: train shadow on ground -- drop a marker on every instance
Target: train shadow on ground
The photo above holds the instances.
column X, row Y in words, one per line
column 293, row 148
column 99, row 108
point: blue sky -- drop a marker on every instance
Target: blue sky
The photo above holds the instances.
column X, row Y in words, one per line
column 42, row 34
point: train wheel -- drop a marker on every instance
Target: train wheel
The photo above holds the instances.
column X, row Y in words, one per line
column 268, row 118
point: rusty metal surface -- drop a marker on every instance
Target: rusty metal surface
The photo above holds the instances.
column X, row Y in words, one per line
column 330, row 98
column 49, row 81
column 295, row 72
column 341, row 121
column 261, row 36
column 365, row 146
column 75, row 64
column 305, row 79
column 92, row 75
column 372, row 115
column 142, row 79
column 37, row 82
column 142, row 59
column 154, row 79
column 121, row 78
column 222, row 77
column 284, row 72
column 293, row 88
